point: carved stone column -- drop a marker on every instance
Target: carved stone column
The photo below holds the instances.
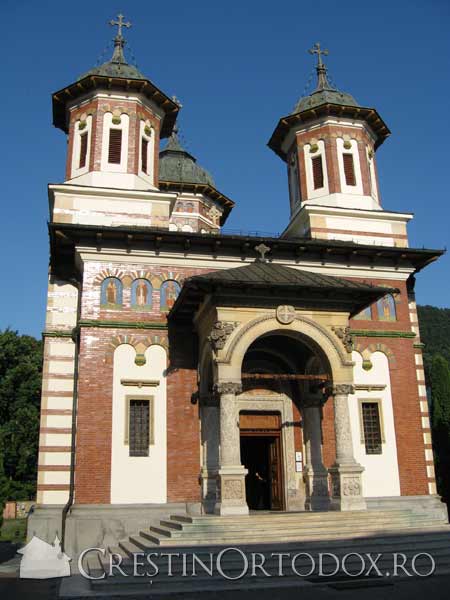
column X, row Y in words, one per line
column 209, row 411
column 231, row 485
column 346, row 481
column 315, row 473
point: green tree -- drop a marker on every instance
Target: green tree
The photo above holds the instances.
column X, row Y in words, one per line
column 20, row 391
column 440, row 397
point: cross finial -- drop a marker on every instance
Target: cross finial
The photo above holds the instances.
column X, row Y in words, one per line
column 316, row 49
column 262, row 249
column 120, row 23
column 322, row 79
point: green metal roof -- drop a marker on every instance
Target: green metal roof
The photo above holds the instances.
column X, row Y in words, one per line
column 324, row 93
column 178, row 166
column 326, row 96
column 263, row 273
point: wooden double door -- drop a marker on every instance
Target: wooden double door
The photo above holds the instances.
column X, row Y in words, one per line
column 261, row 454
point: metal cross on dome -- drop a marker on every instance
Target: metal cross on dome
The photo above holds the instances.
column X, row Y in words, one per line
column 120, row 23
column 316, row 49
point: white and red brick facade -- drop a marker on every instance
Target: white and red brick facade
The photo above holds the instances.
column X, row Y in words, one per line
column 118, row 224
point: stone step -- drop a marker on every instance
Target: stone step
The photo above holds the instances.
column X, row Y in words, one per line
column 234, row 567
column 418, row 537
column 209, row 538
column 294, row 525
column 436, row 546
column 273, row 516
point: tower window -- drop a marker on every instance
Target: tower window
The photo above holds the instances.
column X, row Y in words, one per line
column 349, row 169
column 317, row 169
column 139, row 427
column 83, row 149
column 370, row 413
column 144, row 152
column 115, row 146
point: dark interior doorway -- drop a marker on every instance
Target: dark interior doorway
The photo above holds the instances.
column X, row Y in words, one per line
column 261, row 455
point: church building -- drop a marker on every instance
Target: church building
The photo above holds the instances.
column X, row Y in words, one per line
column 193, row 372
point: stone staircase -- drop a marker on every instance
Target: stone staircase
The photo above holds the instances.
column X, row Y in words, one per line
column 384, row 532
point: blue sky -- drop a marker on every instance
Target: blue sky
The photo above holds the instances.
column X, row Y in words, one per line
column 237, row 67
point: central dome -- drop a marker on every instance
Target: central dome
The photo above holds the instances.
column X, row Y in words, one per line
column 178, row 166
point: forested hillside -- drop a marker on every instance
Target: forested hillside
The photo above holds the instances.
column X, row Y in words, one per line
column 435, row 333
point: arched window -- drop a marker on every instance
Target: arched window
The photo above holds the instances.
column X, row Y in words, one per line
column 111, row 293
column 386, row 308
column 169, row 293
column 141, row 294
column 189, row 207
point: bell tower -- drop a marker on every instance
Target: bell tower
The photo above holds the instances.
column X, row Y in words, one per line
column 114, row 117
column 329, row 143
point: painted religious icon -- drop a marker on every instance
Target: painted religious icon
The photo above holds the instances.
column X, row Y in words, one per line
column 364, row 315
column 111, row 292
column 386, row 308
column 141, row 294
column 169, row 293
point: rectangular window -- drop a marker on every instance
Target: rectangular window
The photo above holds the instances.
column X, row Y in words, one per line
column 83, row 149
column 370, row 412
column 139, row 427
column 349, row 169
column 144, row 152
column 317, row 169
column 115, row 146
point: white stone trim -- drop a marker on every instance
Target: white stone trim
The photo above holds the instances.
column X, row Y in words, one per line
column 75, row 170
column 150, row 175
column 353, row 150
column 124, row 127
column 324, row 190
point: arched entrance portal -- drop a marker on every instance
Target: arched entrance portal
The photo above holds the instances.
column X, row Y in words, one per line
column 282, row 450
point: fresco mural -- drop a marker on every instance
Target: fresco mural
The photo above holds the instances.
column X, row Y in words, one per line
column 141, row 294
column 386, row 308
column 169, row 293
column 364, row 315
column 111, row 292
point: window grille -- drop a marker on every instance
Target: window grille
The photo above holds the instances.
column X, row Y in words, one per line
column 317, row 169
column 115, row 146
column 83, row 150
column 349, row 169
column 139, row 427
column 372, row 427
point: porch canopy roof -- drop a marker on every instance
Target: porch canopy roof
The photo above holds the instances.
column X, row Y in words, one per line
column 264, row 284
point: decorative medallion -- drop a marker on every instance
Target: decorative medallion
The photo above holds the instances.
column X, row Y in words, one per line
column 285, row 314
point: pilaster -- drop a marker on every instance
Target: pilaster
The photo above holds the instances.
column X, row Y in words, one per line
column 346, row 480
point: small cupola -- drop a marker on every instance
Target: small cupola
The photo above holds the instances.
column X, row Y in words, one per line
column 200, row 207
column 329, row 143
column 114, row 117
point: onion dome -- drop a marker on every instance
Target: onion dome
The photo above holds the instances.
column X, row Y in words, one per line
column 178, row 166
column 324, row 93
column 115, row 74
column 117, row 66
column 325, row 101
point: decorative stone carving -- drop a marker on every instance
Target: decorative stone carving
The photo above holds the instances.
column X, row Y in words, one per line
column 262, row 250
column 351, row 486
column 343, row 389
column 285, row 314
column 344, row 335
column 228, row 387
column 214, row 214
column 220, row 332
column 232, row 489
